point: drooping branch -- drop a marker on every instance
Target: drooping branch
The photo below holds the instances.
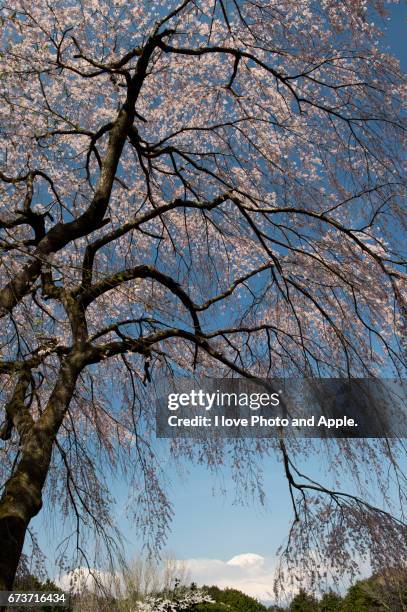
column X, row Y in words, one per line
column 136, row 223
column 93, row 218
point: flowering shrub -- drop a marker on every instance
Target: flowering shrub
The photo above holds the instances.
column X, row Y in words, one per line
column 182, row 601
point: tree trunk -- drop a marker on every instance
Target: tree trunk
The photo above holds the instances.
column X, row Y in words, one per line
column 12, row 534
column 22, row 496
column 21, row 501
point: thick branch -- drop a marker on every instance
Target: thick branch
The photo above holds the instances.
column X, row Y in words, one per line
column 17, row 413
column 93, row 218
column 115, row 280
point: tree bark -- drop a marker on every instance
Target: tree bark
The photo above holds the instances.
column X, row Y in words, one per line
column 22, row 496
column 20, row 502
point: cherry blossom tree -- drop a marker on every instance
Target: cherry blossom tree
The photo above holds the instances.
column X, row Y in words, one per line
column 209, row 187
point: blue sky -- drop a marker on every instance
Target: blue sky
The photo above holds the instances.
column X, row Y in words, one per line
column 207, row 525
column 397, row 32
column 207, row 528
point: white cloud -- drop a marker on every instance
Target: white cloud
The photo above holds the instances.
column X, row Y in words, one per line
column 246, row 560
column 248, row 572
column 82, row 578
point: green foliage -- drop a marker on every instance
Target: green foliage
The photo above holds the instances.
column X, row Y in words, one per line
column 303, row 602
column 330, row 602
column 359, row 598
column 379, row 593
column 215, row 607
column 384, row 592
column 229, row 600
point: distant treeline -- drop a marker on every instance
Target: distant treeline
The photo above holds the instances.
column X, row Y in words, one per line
column 385, row 592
